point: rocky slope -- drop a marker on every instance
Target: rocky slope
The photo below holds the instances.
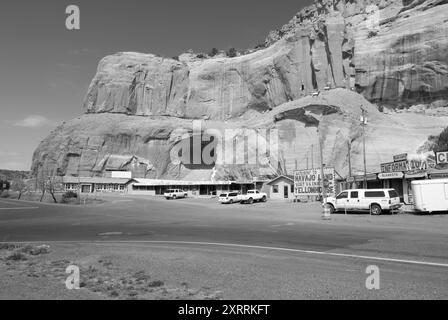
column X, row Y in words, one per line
column 315, row 73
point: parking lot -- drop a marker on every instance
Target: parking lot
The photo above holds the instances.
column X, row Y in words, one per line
column 186, row 237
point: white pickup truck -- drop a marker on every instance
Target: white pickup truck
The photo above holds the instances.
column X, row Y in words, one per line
column 374, row 200
column 253, row 196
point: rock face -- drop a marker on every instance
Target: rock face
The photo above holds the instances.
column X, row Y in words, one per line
column 314, row 73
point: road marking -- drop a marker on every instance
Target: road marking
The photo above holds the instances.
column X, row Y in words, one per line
column 283, row 225
column 19, row 208
column 110, row 234
column 217, row 244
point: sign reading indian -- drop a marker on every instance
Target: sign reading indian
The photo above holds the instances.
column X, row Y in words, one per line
column 308, row 182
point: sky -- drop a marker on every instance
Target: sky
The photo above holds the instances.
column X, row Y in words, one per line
column 45, row 69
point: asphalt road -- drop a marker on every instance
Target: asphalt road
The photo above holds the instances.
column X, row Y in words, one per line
column 412, row 249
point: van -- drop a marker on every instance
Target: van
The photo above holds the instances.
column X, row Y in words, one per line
column 374, row 200
column 430, row 195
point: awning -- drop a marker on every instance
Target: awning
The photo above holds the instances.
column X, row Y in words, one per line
column 438, row 173
column 369, row 177
column 413, row 175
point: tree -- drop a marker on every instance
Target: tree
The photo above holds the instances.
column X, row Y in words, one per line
column 53, row 185
column 19, row 186
column 41, row 184
column 441, row 142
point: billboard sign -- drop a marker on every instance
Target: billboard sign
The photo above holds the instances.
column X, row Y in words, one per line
column 401, row 157
column 404, row 166
column 442, row 157
column 308, row 182
column 121, row 174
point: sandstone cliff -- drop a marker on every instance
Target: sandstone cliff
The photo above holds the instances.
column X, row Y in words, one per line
column 315, row 73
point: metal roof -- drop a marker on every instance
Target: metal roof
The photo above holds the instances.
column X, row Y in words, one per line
column 68, row 179
column 156, row 182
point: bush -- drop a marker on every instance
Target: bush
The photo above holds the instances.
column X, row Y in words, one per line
column 16, row 256
column 372, row 33
column 214, row 52
column 35, row 250
column 4, row 194
column 69, row 195
column 232, row 53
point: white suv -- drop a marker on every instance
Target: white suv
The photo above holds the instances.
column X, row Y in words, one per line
column 175, row 194
column 373, row 200
column 230, row 197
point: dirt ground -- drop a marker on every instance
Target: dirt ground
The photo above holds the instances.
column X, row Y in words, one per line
column 39, row 272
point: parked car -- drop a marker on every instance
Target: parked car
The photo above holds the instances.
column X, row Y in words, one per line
column 374, row 200
column 229, row 197
column 253, row 196
column 175, row 194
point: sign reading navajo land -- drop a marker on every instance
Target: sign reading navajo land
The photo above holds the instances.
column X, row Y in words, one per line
column 308, row 182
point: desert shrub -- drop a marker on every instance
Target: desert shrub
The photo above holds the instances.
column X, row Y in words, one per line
column 16, row 256
column 7, row 246
column 155, row 284
column 232, row 53
column 201, row 56
column 4, row 194
column 214, row 52
column 35, row 250
column 372, row 33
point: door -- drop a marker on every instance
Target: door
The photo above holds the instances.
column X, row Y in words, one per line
column 86, row 189
column 342, row 200
column 353, row 203
column 286, row 192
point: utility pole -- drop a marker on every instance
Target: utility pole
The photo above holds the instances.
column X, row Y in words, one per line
column 349, row 148
column 363, row 124
column 322, row 176
column 312, row 155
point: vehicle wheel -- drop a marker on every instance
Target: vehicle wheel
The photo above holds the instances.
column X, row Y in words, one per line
column 174, row 197
column 251, row 201
column 331, row 208
column 264, row 199
column 231, row 202
column 375, row 209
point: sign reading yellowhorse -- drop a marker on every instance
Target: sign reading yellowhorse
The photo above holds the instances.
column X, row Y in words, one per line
column 308, row 182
